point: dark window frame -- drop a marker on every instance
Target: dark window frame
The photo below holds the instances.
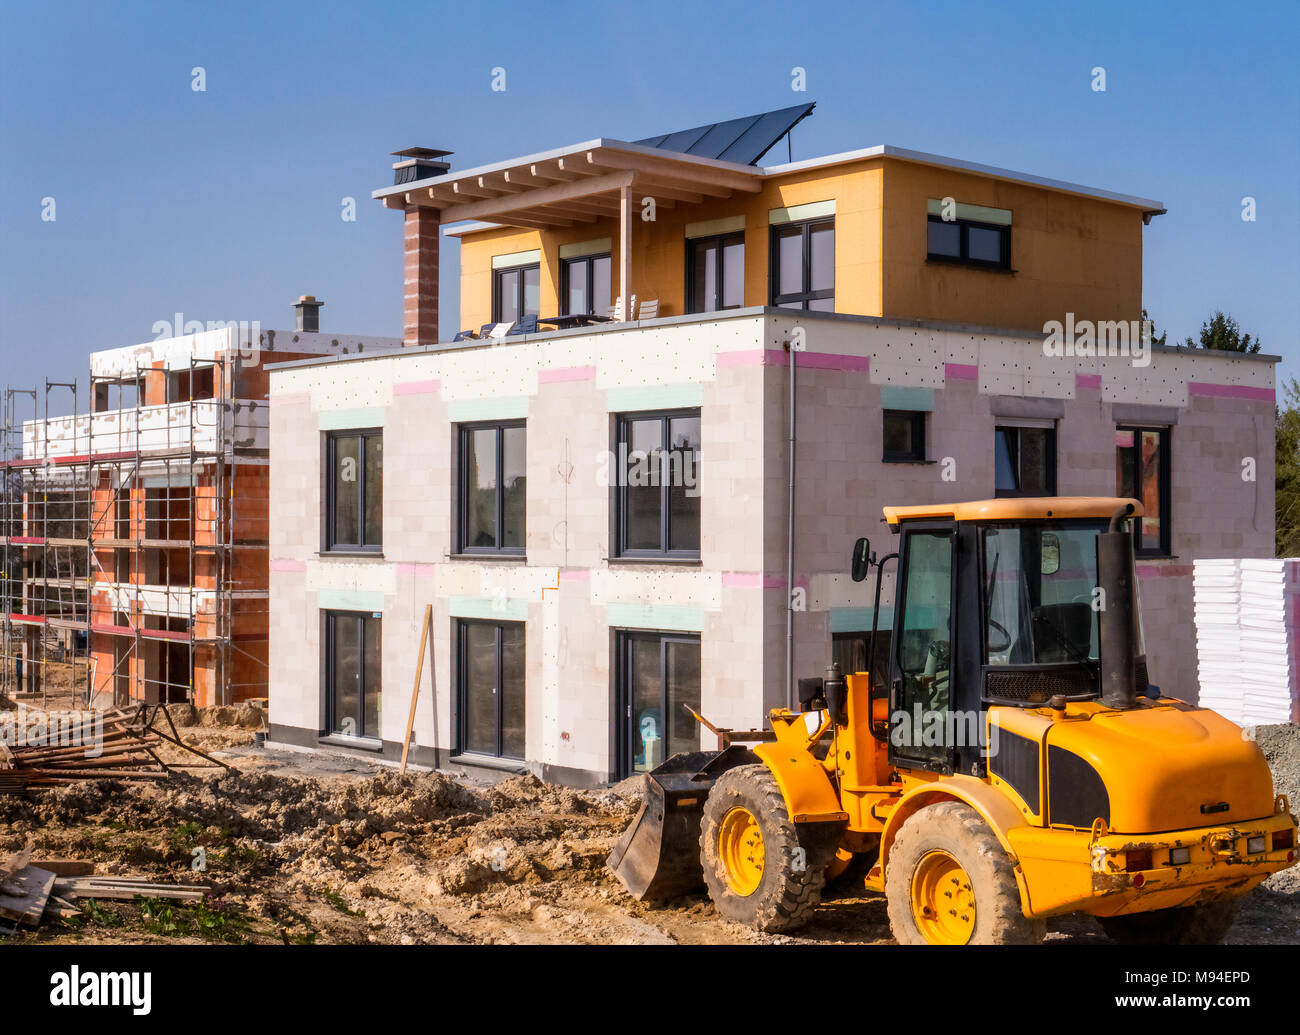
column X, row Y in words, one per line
column 331, row 616
column 774, row 264
column 331, row 445
column 462, row 487
column 462, row 684
column 1050, row 475
column 665, row 417
column 623, row 731
column 917, row 456
column 1166, row 494
column 719, row 241
column 521, row 291
column 566, row 271
column 964, row 257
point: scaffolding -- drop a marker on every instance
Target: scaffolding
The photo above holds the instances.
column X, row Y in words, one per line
column 129, row 539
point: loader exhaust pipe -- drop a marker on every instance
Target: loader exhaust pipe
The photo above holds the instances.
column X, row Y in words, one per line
column 1117, row 619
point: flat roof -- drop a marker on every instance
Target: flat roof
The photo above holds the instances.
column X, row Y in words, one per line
column 615, row 327
column 686, row 163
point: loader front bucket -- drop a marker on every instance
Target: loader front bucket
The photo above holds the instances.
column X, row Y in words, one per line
column 658, row 856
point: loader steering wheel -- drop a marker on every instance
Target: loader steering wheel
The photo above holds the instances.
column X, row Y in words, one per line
column 998, row 648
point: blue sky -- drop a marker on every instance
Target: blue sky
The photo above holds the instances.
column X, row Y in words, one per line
column 225, row 204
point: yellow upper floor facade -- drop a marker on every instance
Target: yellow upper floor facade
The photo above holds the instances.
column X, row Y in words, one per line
column 866, row 236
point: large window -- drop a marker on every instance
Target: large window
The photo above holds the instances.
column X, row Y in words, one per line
column 803, row 265
column 1024, row 461
column 490, row 688
column 585, row 285
column 352, row 673
column 658, row 485
column 492, row 490
column 516, row 292
column 1142, row 473
column 904, row 436
column 715, row 273
column 658, row 673
column 354, row 517
column 969, row 242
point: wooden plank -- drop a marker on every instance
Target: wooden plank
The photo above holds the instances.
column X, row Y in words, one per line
column 415, row 690
column 66, row 867
column 23, row 896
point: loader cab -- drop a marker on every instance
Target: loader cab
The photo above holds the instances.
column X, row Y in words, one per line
column 996, row 604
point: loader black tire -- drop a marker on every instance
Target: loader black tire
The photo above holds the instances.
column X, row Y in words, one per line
column 951, row 831
column 1204, row 924
column 794, row 859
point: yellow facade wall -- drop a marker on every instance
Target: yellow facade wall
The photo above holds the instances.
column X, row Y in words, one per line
column 1070, row 253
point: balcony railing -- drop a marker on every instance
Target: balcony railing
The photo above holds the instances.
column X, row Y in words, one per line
column 206, row 426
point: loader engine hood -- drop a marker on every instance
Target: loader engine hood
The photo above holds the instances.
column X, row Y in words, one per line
column 1161, row 766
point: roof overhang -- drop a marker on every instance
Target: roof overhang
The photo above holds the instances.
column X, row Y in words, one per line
column 573, row 185
column 1147, row 206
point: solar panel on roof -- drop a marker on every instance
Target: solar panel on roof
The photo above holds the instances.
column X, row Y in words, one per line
column 744, row 140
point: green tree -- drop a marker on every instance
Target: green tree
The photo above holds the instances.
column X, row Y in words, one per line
column 1287, row 485
column 1156, row 339
column 1221, row 332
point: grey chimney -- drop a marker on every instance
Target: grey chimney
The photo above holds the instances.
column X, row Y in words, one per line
column 308, row 313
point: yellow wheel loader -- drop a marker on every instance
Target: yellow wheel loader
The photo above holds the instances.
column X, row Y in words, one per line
column 1003, row 758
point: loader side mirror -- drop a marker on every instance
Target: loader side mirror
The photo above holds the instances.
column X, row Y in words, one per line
column 861, row 559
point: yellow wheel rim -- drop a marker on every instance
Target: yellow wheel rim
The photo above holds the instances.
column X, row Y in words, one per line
column 943, row 903
column 740, row 847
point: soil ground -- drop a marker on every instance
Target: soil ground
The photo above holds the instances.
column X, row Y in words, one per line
column 310, row 848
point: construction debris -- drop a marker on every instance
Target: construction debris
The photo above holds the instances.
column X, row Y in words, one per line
column 32, row 891
column 50, row 748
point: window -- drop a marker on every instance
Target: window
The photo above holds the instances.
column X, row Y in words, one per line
column 584, row 285
column 904, row 436
column 852, row 650
column 1142, row 473
column 355, row 490
column 1025, row 461
column 516, row 292
column 492, row 488
column 922, row 656
column 658, row 673
column 715, row 273
column 352, row 673
column 803, row 265
column 658, row 485
column 490, row 688
column 969, row 242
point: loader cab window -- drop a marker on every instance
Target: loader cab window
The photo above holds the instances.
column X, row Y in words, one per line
column 1040, row 609
column 921, row 656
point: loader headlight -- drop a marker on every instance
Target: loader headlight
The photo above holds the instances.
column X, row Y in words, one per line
column 1258, row 843
column 1180, row 856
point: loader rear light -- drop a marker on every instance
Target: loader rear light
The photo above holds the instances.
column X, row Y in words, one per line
column 1180, row 856
column 1283, row 839
column 1138, row 880
column 1256, row 844
column 1139, row 859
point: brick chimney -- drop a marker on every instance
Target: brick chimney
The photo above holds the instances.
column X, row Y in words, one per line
column 308, row 313
column 420, row 268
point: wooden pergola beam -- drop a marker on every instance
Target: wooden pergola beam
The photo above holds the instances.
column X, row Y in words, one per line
column 501, row 207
